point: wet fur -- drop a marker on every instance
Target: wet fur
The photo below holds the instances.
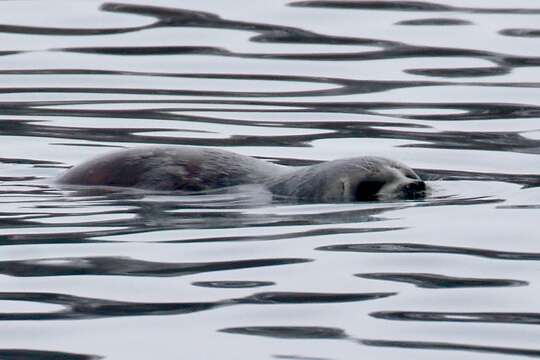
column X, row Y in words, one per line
column 191, row 169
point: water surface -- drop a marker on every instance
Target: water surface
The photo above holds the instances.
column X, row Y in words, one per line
column 451, row 88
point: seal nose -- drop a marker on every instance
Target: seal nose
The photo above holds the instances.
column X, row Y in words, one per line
column 414, row 190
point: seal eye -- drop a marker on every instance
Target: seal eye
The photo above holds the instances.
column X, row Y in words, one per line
column 367, row 190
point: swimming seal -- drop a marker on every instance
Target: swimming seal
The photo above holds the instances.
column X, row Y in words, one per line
column 192, row 169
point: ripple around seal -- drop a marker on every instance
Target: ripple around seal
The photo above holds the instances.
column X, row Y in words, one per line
column 436, row 281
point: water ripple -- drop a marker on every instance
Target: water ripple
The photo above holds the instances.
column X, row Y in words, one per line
column 76, row 307
column 474, row 317
column 19, row 354
column 424, row 248
column 294, row 83
column 328, row 333
column 124, row 266
column 436, row 281
column 395, row 5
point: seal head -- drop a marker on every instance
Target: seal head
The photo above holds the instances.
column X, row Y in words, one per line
column 357, row 179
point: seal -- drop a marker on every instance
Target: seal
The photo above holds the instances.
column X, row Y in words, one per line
column 193, row 169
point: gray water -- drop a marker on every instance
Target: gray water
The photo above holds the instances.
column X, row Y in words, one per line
column 451, row 88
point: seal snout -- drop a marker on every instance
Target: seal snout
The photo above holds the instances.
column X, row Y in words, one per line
column 414, row 190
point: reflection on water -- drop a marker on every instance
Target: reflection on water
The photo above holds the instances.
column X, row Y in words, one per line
column 88, row 308
column 450, row 88
column 333, row 333
column 435, row 281
column 43, row 355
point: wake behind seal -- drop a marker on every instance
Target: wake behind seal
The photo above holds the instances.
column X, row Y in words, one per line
column 194, row 169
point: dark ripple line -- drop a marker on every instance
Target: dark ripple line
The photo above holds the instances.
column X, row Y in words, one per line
column 409, row 6
column 64, row 237
column 437, row 281
column 5, row 53
column 496, row 141
column 273, row 33
column 461, row 72
column 38, row 30
column 434, row 345
column 27, row 354
column 309, row 298
column 467, row 317
column 298, row 357
column 396, row 248
column 199, row 93
column 125, row 266
column 76, row 307
column 152, row 50
column 330, row 333
column 434, row 22
column 289, row 332
column 471, row 111
column 521, row 207
column 174, row 17
column 4, row 160
column 451, row 201
column 446, row 140
column 396, row 52
column 19, row 178
column 528, row 33
column 289, row 235
column 171, row 17
column 339, row 87
column 232, row 284
column 353, row 86
column 527, row 180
